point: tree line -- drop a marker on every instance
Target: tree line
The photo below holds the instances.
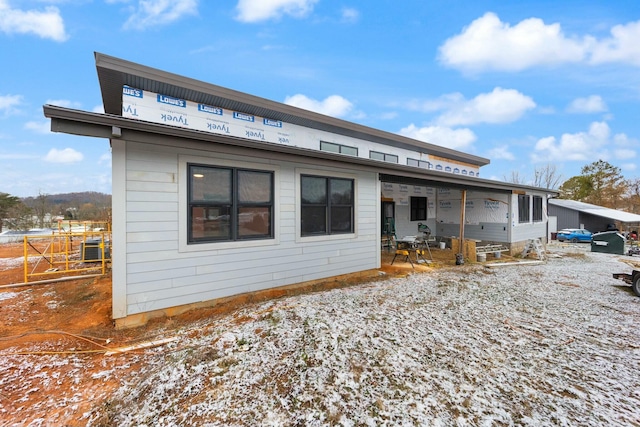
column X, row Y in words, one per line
column 44, row 210
column 599, row 183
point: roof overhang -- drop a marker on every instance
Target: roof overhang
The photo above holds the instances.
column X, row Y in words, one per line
column 601, row 211
column 109, row 126
column 114, row 73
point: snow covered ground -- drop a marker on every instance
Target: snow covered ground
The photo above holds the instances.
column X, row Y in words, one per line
column 539, row 345
column 555, row 344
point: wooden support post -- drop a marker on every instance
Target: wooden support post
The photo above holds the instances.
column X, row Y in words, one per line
column 463, row 205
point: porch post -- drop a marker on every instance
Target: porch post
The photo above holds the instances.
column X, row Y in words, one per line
column 463, row 204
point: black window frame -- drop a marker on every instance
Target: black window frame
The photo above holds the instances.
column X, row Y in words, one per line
column 330, row 207
column 418, row 208
column 523, row 208
column 537, row 209
column 233, row 206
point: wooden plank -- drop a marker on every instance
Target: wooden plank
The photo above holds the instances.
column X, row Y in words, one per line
column 510, row 264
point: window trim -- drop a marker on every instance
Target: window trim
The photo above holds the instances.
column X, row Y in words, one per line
column 415, row 210
column 341, row 148
column 423, row 164
column 183, row 203
column 234, row 205
column 524, row 208
column 538, row 211
column 389, row 158
column 298, row 205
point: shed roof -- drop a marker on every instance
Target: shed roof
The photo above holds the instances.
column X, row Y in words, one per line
column 614, row 214
column 114, row 73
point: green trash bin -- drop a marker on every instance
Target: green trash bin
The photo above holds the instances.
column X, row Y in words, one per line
column 609, row 242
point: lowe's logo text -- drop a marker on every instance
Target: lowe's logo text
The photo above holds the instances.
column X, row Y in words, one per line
column 163, row 99
column 274, row 123
column 245, row 117
column 209, row 109
column 129, row 91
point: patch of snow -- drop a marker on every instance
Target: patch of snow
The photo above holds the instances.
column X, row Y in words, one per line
column 8, row 295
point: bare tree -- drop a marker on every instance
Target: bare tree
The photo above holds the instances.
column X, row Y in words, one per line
column 515, row 178
column 543, row 177
column 547, row 177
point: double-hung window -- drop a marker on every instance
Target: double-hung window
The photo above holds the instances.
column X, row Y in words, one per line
column 327, row 205
column 229, row 204
column 418, row 208
column 537, row 208
column 523, row 208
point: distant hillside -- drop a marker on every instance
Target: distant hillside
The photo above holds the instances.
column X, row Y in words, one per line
column 87, row 205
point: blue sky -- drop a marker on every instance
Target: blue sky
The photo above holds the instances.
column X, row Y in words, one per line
column 526, row 84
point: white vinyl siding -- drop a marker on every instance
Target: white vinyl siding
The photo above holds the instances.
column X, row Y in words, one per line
column 162, row 271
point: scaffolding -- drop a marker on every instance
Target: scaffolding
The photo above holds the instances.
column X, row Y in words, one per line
column 77, row 247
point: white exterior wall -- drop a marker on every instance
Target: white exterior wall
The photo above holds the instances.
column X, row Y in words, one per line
column 158, row 269
column 521, row 232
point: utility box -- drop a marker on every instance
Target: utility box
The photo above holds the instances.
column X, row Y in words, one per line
column 91, row 251
column 610, row 242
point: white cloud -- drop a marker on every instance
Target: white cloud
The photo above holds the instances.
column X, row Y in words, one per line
column 67, row 155
column 498, row 106
column 350, row 15
column 9, row 103
column 456, row 139
column 263, row 10
column 64, row 103
column 39, row 127
column 334, row 105
column 47, row 24
column 105, row 159
column 501, row 153
column 596, row 143
column 151, row 13
column 590, row 104
column 629, row 167
column 623, row 46
column 490, row 44
column 624, row 153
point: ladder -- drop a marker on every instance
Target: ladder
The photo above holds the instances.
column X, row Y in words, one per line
column 537, row 246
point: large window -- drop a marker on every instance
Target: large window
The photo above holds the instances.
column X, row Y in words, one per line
column 418, row 208
column 327, row 205
column 228, row 204
column 537, row 209
column 523, row 208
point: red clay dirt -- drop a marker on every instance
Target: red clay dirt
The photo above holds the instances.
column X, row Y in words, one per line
column 72, row 319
